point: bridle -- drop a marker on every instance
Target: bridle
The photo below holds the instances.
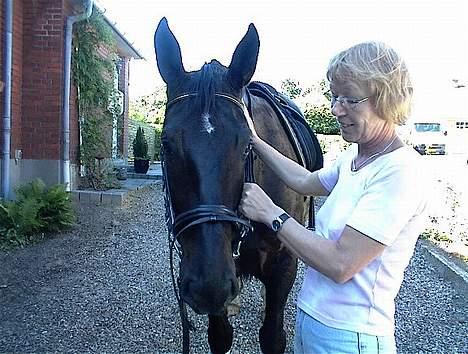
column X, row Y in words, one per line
column 201, row 214
column 204, row 213
column 226, row 96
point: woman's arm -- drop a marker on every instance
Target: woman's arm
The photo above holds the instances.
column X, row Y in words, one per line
column 291, row 173
column 339, row 260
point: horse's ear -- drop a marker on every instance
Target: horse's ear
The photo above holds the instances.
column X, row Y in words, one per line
column 168, row 54
column 244, row 59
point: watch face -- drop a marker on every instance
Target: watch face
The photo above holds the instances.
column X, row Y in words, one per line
column 275, row 225
column 278, row 222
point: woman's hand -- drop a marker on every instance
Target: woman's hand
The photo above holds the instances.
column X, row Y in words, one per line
column 257, row 205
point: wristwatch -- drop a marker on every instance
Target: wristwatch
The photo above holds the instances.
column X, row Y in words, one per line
column 278, row 222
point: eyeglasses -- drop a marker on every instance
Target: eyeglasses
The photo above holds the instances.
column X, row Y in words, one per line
column 347, row 102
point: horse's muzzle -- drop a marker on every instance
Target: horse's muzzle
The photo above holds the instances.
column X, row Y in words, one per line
column 211, row 297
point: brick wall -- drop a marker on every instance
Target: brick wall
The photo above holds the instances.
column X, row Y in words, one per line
column 17, row 76
column 2, row 41
column 43, row 29
column 17, row 69
column 37, row 81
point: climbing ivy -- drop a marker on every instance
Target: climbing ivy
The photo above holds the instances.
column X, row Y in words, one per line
column 93, row 75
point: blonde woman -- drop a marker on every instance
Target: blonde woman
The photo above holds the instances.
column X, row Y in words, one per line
column 375, row 209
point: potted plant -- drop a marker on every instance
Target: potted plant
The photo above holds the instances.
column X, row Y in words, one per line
column 140, row 152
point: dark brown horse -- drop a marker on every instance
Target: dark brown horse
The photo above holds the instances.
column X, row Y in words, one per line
column 205, row 143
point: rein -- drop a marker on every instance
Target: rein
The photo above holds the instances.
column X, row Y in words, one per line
column 204, row 213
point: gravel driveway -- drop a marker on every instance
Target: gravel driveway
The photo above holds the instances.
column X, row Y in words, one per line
column 105, row 287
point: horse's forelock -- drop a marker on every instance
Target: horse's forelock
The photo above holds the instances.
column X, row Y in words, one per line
column 206, row 85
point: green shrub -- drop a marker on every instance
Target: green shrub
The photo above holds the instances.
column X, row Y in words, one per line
column 435, row 235
column 36, row 210
column 323, row 144
column 334, row 144
column 57, row 211
column 321, row 120
column 140, row 145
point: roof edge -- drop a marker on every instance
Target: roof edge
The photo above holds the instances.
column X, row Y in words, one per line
column 121, row 38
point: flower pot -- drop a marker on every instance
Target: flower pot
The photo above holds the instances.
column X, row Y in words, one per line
column 141, row 166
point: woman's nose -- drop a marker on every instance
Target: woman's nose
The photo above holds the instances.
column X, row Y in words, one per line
column 337, row 109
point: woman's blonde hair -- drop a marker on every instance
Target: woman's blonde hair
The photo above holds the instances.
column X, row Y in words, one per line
column 379, row 70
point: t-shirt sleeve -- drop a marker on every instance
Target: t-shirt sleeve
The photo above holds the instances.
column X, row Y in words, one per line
column 391, row 198
column 328, row 176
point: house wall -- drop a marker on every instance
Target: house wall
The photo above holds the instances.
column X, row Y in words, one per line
column 124, row 86
column 37, row 92
column 74, row 125
column 37, row 81
column 17, row 77
column 43, row 37
column 42, row 79
column 16, row 85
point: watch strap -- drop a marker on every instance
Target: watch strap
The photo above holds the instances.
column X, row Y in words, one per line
column 284, row 217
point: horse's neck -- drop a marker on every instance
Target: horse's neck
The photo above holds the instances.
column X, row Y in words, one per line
column 269, row 127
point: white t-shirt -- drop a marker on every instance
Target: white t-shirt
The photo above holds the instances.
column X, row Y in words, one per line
column 387, row 201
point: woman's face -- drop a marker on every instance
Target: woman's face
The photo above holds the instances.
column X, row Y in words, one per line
column 351, row 106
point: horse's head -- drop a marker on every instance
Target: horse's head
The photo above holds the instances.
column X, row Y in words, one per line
column 205, row 141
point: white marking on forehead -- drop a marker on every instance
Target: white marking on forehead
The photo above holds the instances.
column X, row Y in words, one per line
column 206, row 124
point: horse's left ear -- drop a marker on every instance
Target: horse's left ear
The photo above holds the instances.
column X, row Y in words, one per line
column 244, row 59
column 168, row 56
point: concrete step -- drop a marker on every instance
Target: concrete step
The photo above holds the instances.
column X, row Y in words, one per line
column 133, row 175
column 113, row 197
column 154, row 172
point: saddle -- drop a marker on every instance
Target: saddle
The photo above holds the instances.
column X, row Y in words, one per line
column 300, row 134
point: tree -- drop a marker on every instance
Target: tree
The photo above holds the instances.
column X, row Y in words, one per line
column 314, row 101
column 291, row 88
column 149, row 108
column 140, row 145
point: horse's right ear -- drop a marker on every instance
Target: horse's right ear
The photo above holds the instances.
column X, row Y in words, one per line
column 168, row 56
column 244, row 59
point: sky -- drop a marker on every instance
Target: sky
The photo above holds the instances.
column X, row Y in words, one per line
column 298, row 38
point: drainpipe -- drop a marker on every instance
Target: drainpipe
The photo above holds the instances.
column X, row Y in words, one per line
column 7, row 68
column 66, row 91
